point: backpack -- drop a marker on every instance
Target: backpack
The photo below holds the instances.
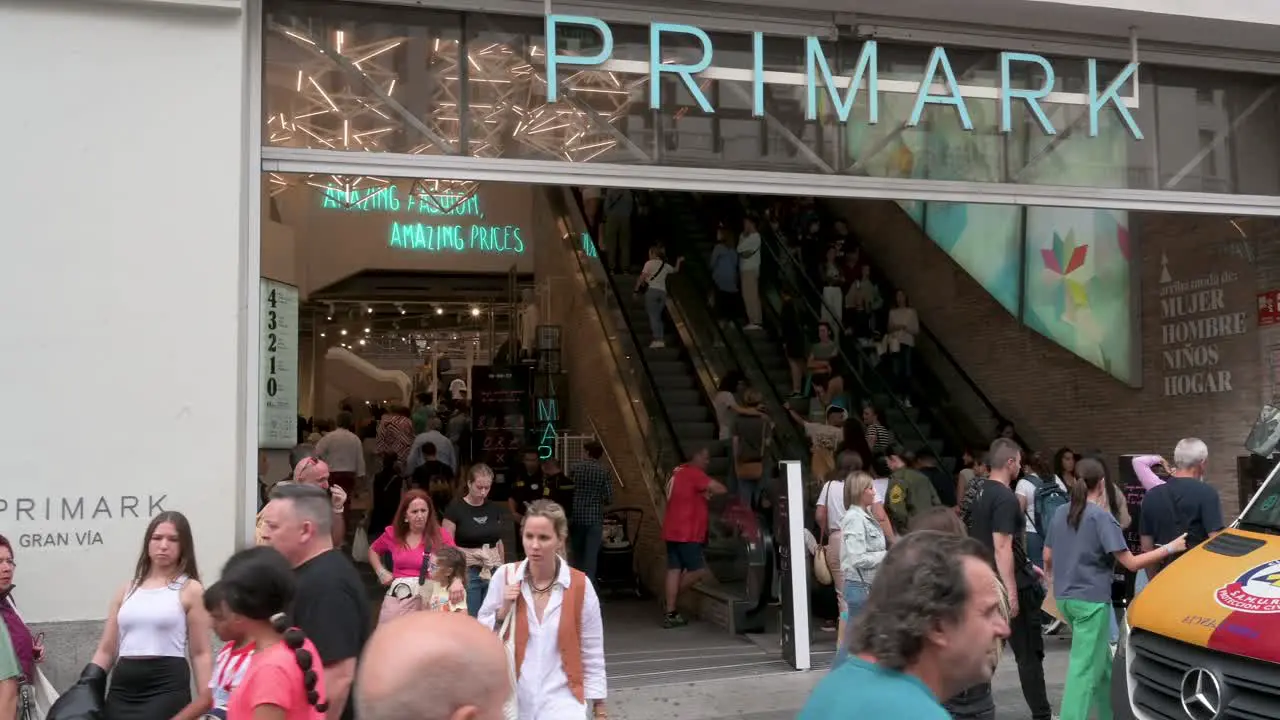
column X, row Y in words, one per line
column 1048, row 498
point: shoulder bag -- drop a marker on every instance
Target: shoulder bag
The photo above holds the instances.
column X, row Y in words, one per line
column 754, row 469
column 822, row 571
column 507, row 634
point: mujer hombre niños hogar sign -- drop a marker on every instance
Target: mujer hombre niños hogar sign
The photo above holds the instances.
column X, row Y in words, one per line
column 937, row 86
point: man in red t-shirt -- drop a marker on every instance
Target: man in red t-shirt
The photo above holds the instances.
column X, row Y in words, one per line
column 684, row 528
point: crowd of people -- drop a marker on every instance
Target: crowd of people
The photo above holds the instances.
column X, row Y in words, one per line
column 294, row 621
column 927, row 619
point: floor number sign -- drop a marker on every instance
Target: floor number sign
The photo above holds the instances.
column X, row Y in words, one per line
column 278, row 373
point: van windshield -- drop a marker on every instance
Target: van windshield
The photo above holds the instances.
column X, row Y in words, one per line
column 1264, row 514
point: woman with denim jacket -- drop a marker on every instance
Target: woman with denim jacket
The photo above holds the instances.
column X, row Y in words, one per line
column 862, row 548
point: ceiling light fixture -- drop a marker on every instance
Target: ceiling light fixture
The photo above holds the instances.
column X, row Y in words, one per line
column 475, row 312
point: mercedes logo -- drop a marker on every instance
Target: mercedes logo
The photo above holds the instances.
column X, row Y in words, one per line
column 1201, row 694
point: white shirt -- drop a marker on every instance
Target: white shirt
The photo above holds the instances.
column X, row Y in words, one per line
column 542, row 692
column 724, row 402
column 444, row 451
column 832, row 496
column 907, row 318
column 656, row 275
column 342, row 451
column 749, row 243
column 1027, row 489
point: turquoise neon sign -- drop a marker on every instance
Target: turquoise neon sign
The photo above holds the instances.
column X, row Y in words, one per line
column 865, row 78
column 447, row 231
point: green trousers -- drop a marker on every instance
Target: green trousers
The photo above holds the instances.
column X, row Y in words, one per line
column 1089, row 668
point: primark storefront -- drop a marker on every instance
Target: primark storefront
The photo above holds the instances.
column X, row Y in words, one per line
column 149, row 138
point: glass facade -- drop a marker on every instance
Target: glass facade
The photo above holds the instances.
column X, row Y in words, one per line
column 412, row 80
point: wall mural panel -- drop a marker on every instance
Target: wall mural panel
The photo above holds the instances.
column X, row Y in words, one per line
column 1079, row 285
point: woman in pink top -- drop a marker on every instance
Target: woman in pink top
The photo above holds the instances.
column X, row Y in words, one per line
column 256, row 586
column 410, row 545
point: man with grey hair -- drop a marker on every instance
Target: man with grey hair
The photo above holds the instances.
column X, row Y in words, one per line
column 432, row 666
column 1184, row 503
column 928, row 630
column 330, row 604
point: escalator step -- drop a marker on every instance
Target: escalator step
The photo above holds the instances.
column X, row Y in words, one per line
column 701, row 432
column 687, row 413
column 674, row 396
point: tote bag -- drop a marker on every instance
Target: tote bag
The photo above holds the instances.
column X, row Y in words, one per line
column 511, row 710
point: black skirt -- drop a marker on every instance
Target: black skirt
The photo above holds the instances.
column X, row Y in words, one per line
column 148, row 688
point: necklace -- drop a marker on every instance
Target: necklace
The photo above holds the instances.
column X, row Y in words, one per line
column 544, row 590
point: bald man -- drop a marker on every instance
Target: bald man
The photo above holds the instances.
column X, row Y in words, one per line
column 432, row 666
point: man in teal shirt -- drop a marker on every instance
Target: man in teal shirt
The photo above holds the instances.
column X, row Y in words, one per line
column 930, row 629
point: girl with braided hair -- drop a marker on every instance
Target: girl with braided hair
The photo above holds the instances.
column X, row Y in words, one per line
column 284, row 679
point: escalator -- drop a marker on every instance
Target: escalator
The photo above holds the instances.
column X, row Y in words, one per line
column 863, row 380
column 688, row 408
column 970, row 416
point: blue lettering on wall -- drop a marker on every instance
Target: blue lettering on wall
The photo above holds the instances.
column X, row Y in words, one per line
column 865, row 75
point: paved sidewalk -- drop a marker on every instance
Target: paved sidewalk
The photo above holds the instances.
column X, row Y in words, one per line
column 701, row 673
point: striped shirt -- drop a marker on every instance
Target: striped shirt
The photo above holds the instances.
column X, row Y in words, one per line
column 883, row 438
column 228, row 671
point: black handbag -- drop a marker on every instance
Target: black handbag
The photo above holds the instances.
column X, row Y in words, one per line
column 85, row 699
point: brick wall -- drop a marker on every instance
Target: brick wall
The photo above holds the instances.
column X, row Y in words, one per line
column 594, row 382
column 1060, row 399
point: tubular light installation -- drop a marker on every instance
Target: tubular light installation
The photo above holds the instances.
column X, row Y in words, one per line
column 337, row 92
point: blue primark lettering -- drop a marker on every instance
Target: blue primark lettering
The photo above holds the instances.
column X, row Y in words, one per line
column 1032, row 97
column 818, row 69
column 867, row 65
column 938, row 60
column 683, row 71
column 555, row 59
column 1110, row 95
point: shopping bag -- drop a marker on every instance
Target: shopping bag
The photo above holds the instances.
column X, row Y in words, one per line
column 360, row 546
column 511, row 710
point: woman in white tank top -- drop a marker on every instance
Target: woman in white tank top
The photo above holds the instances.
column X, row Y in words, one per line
column 155, row 622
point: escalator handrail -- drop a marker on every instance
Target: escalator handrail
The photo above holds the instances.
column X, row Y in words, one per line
column 946, row 354
column 772, row 244
column 656, row 445
column 785, row 436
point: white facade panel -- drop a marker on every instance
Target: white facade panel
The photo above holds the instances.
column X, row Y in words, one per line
column 121, row 287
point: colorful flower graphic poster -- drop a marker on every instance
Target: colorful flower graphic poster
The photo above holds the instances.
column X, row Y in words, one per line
column 1080, row 285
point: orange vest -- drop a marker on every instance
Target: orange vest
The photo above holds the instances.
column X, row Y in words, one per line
column 569, row 637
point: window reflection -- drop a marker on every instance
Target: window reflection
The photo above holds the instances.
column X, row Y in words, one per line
column 411, row 80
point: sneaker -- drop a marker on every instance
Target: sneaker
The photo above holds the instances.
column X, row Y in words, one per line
column 657, row 344
column 829, row 626
column 751, row 326
column 674, row 620
column 906, row 402
column 1052, row 626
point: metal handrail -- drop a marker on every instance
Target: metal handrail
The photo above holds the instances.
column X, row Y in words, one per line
column 595, row 432
column 643, row 393
column 951, row 359
column 861, row 368
column 785, row 434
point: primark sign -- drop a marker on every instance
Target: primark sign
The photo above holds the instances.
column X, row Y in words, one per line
column 936, row 86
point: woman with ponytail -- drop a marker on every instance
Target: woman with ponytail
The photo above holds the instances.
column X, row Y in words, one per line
column 285, row 678
column 1083, row 544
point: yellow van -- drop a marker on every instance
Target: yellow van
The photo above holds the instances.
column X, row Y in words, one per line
column 1202, row 640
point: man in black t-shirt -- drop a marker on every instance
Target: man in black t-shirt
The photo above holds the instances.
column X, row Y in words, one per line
column 997, row 521
column 434, row 478
column 527, row 485
column 1184, row 503
column 329, row 603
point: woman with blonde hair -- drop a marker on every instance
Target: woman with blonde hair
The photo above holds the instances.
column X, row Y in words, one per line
column 549, row 615
column 862, row 549
column 476, row 525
